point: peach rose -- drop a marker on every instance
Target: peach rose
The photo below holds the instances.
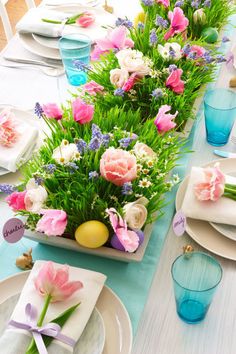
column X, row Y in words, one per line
column 141, row 150
column 118, row 77
column 212, row 185
column 118, row 166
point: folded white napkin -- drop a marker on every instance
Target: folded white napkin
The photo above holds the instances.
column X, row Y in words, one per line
column 93, row 283
column 10, row 157
column 223, row 211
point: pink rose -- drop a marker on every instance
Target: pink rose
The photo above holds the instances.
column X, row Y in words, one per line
column 163, row 120
column 118, row 166
column 212, row 186
column 8, row 132
column 53, row 222
column 16, row 200
column 178, row 22
column 166, row 3
column 51, row 110
column 174, row 81
column 86, row 19
column 92, row 88
column 82, row 112
column 116, row 39
column 198, row 51
column 54, row 282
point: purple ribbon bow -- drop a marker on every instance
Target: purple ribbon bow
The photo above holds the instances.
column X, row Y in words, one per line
column 50, row 329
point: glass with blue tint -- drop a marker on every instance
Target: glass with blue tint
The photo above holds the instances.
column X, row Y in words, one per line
column 75, row 53
column 220, row 114
column 195, row 276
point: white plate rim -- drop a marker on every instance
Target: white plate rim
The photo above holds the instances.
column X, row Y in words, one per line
column 219, row 229
column 195, row 236
column 22, row 277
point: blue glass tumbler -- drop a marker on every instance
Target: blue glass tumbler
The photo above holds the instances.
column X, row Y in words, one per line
column 220, row 114
column 195, row 276
column 75, row 53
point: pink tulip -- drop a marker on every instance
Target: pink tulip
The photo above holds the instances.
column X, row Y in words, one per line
column 86, row 19
column 118, row 166
column 174, row 81
column 166, row 3
column 82, row 112
column 55, row 282
column 8, row 132
column 128, row 238
column 116, row 39
column 198, row 51
column 163, row 120
column 212, row 186
column 178, row 22
column 51, row 110
column 16, row 200
column 53, row 222
column 130, row 82
column 92, row 88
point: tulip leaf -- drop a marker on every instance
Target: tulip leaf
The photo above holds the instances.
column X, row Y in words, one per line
column 60, row 320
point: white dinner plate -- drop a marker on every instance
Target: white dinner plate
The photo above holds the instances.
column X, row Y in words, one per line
column 201, row 231
column 25, row 116
column 91, row 341
column 114, row 314
column 226, row 230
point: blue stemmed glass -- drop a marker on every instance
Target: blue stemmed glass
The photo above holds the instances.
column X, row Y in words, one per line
column 220, row 114
column 195, row 276
column 75, row 53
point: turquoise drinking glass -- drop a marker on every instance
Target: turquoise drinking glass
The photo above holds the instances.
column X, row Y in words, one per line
column 75, row 53
column 220, row 114
column 195, row 276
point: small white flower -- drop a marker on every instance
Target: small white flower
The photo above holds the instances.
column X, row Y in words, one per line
column 144, row 183
column 165, row 50
column 35, row 197
column 65, row 153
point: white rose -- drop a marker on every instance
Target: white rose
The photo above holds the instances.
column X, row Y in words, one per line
column 118, row 77
column 133, row 61
column 35, row 197
column 199, row 16
column 142, row 150
column 165, row 50
column 65, row 153
column 135, row 214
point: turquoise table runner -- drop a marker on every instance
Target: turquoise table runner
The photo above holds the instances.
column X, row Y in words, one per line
column 130, row 281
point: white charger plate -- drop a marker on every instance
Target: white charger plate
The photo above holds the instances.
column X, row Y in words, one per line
column 114, row 314
column 201, row 231
column 226, row 230
column 91, row 341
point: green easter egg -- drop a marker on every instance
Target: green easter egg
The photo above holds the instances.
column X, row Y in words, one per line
column 210, row 34
column 92, row 234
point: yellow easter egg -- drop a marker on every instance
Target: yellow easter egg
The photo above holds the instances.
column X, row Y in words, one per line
column 139, row 18
column 92, row 234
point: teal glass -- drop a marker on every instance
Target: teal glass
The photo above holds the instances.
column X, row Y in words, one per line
column 220, row 114
column 75, row 47
column 195, row 277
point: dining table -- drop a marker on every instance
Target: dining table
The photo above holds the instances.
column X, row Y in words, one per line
column 159, row 329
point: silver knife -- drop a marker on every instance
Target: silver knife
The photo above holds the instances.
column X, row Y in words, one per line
column 30, row 61
column 222, row 153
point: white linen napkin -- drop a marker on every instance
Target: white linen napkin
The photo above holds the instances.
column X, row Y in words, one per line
column 10, row 157
column 93, row 283
column 223, row 211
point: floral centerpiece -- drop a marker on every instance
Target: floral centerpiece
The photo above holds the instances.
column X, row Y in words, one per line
column 93, row 177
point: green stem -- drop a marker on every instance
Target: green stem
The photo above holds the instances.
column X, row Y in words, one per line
column 229, row 189
column 51, row 21
column 40, row 321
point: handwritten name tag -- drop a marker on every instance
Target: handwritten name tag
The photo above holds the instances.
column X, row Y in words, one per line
column 179, row 223
column 13, row 230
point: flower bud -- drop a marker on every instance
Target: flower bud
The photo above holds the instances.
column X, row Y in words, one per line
column 199, row 17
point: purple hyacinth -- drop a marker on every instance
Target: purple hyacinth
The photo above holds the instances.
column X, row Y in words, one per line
column 172, row 68
column 38, row 110
column 38, row 180
column 148, row 2
column 119, row 92
column 7, row 188
column 81, row 145
column 80, row 65
column 187, row 49
column 124, row 22
column 195, row 4
column 192, row 55
column 95, row 144
column 72, row 167
column 50, row 168
column 125, row 142
column 157, row 93
column 106, row 139
column 208, row 58
column 172, row 52
column 179, row 3
column 96, row 131
column 140, row 25
column 93, row 174
column 153, row 37
column 225, row 39
column 127, row 188
column 207, row 3
column 220, row 59
column 160, row 22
